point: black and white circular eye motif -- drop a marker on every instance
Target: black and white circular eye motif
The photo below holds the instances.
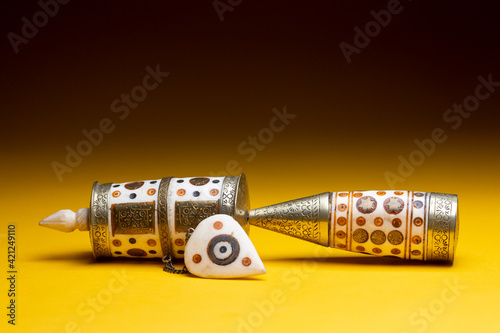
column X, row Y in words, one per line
column 223, row 249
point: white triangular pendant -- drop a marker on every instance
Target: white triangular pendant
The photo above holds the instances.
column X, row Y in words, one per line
column 220, row 248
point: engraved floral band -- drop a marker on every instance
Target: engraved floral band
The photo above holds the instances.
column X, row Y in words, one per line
column 99, row 206
column 442, row 227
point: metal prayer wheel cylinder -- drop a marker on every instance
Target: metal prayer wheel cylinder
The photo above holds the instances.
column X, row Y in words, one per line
column 404, row 224
column 150, row 218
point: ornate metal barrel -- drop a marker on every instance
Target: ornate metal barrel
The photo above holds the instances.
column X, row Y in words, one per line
column 404, row 224
column 150, row 218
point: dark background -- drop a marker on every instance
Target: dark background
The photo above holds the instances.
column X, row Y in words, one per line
column 227, row 76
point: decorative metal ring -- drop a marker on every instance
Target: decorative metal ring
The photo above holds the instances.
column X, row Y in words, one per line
column 163, row 230
column 98, row 226
column 442, row 232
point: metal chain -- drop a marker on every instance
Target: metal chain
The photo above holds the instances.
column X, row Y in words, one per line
column 167, row 259
column 169, row 266
column 189, row 232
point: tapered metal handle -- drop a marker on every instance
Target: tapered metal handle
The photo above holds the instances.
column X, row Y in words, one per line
column 405, row 224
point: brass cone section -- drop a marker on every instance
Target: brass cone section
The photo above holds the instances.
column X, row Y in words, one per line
column 306, row 218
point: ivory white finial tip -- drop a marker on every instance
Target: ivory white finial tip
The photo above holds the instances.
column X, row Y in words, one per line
column 66, row 220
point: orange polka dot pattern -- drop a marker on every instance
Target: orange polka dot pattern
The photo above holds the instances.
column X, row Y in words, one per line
column 385, row 223
column 146, row 237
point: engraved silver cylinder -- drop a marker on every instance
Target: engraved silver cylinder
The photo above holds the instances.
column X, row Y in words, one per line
column 442, row 227
column 149, row 219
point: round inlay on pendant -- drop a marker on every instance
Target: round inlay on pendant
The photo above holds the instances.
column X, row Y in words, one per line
column 223, row 249
column 246, row 261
